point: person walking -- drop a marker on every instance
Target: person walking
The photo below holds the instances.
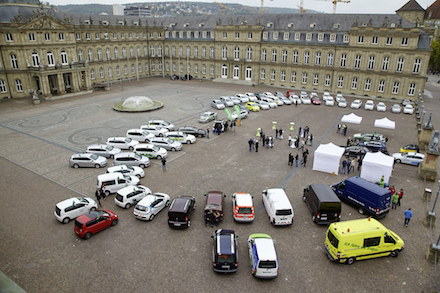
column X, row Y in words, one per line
column 271, row 142
column 280, row 134
column 395, row 198
column 305, row 154
column 253, row 143
column 311, row 139
column 296, row 103
column 408, row 215
column 345, row 130
column 296, row 160
column 256, row 146
column 344, row 165
column 207, row 133
column 250, row 144
column 164, row 164
column 348, row 165
column 267, row 142
column 306, row 131
column 400, row 194
column 290, row 140
column 339, row 128
column 290, row 161
column 263, row 139
column 276, row 132
column 299, row 131
column 302, row 145
column 98, row 196
column 261, row 134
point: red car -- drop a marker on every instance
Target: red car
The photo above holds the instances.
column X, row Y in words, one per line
column 316, row 101
column 94, row 222
column 290, row 93
column 214, row 207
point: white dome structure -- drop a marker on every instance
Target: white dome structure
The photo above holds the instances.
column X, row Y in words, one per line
column 137, row 102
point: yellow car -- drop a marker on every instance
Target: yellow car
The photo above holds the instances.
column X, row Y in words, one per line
column 252, row 106
column 410, row 148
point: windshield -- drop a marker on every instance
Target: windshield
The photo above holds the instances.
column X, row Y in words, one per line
column 268, row 264
column 342, row 100
column 146, row 133
column 130, row 168
column 109, row 147
column 155, row 148
column 245, row 210
column 141, row 208
column 333, row 240
column 204, row 115
column 128, row 139
column 165, row 123
column 225, row 258
column 283, row 212
column 127, row 177
column 93, row 156
column 137, row 157
column 168, row 140
column 263, row 103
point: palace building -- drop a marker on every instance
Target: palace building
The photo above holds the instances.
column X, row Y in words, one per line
column 62, row 54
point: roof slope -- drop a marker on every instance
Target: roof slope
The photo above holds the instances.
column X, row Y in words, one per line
column 433, row 11
column 411, row 5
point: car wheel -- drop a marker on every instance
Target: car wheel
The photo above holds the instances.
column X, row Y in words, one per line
column 87, row 236
column 97, row 166
column 350, row 261
column 75, row 166
column 142, row 166
column 138, row 176
column 398, row 161
column 147, row 141
column 66, row 220
column 189, row 224
column 159, row 157
column 173, row 149
column 160, row 134
column 93, row 209
column 107, row 193
column 151, row 217
column 199, row 135
column 131, row 148
column 394, row 253
column 304, row 198
column 361, row 210
column 112, row 157
column 127, row 206
column 188, row 142
column 168, row 203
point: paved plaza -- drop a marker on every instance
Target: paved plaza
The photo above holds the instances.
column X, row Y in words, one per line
column 42, row 255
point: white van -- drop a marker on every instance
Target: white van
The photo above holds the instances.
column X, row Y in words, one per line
column 263, row 256
column 112, row 182
column 278, row 206
column 74, row 207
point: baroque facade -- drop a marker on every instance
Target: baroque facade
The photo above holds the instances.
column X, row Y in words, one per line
column 59, row 54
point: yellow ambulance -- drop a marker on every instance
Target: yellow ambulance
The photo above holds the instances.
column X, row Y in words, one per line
column 349, row 241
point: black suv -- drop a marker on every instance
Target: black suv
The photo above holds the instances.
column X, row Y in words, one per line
column 180, row 211
column 224, row 251
column 192, row 130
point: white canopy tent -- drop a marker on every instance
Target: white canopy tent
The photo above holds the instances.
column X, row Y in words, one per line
column 376, row 165
column 351, row 118
column 327, row 158
column 385, row 123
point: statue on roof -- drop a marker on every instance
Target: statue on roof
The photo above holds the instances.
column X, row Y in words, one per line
column 356, row 22
column 91, row 20
column 385, row 22
column 244, row 21
column 370, row 22
column 218, row 22
column 400, row 23
column 231, row 21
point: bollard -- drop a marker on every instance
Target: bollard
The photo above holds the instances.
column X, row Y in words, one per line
column 433, row 248
column 258, row 132
column 274, row 125
column 430, row 218
column 427, row 194
column 291, row 125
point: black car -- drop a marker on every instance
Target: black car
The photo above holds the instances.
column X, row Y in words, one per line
column 375, row 146
column 192, row 130
column 180, row 211
column 224, row 251
column 186, row 77
column 355, row 150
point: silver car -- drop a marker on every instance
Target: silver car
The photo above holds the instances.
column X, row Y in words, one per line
column 103, row 150
column 167, row 143
column 87, row 160
column 217, row 104
column 140, row 135
column 396, row 108
column 131, row 159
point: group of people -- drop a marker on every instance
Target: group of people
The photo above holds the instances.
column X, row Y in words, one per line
column 100, row 194
column 295, row 158
column 342, row 129
column 349, row 165
column 395, row 202
column 213, row 217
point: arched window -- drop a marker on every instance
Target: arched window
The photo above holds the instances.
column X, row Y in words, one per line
column 35, row 59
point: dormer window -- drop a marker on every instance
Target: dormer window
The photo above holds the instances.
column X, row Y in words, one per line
column 336, row 25
column 201, row 24
column 269, row 24
column 186, row 24
column 290, row 24
column 312, row 25
column 87, row 21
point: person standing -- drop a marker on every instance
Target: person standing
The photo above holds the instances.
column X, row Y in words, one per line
column 353, row 164
column 305, row 154
column 348, row 165
column 280, row 134
column 302, row 145
column 98, row 196
column 400, row 194
column 296, row 160
column 290, row 140
column 267, row 142
column 261, row 134
column 164, row 164
column 253, row 143
column 348, row 142
column 299, row 131
column 386, row 140
column 263, row 139
column 207, row 133
column 395, row 198
column 271, row 142
column 250, row 144
column 408, row 216
column 296, row 103
column 290, row 161
column 339, row 128
column 382, row 181
column 345, row 130
column 311, row 139
column 393, row 190
column 276, row 132
column 360, row 162
column 256, row 146
column 344, row 165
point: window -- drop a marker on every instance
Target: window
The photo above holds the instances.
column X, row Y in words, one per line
column 101, row 72
column 138, row 51
column 236, row 53
column 274, row 56
column 237, row 35
column 316, row 79
column 263, row 55
column 130, row 36
column 295, row 57
column 203, row 69
column 80, row 56
column 404, row 42
column 152, row 51
column 304, row 78
column 188, row 34
column 368, row 84
column 18, row 85
column 32, row 37
column 131, row 52
column 47, row 36
column 181, row 67
column 124, row 52
column 283, row 76
column 153, row 66
column 211, row 69
column 332, row 38
column 412, row 89
column 196, row 52
column 385, row 63
column 318, row 59
column 161, row 66
column 173, row 51
column 249, row 36
column 330, row 59
column 167, row 66
column 354, row 83
column 306, row 58
column 225, row 35
column 181, row 35
column 371, row 62
column 203, row 52
column 262, row 74
column 297, row 36
column 381, row 87
column 35, row 59
column 88, row 36
column 137, row 35
column 115, row 36
column 340, row 81
column 371, row 241
column 308, row 37
column 417, row 65
column 122, row 35
column 50, row 59
column 249, row 54
column 99, row 53
column 272, row 74
column 293, row 77
column 224, row 53
column 133, row 69
column 400, row 63
column 275, row 35
column 9, row 37
column 92, row 74
column 196, row 68
column 374, row 40
column 265, row 35
column 181, row 51
column 389, row 40
column 90, row 55
column 118, row 70
column 284, row 57
column 357, row 61
column 159, row 51
column 97, row 36
column 327, row 80
column 286, row 36
column 110, row 73
column 343, row 60
column 116, row 53
column 14, row 62
column 320, row 37
column 212, row 35
column 396, row 87
column 64, row 59
column 140, row 67
column 2, row 86
column 196, row 35
column 346, row 38
column 360, row 39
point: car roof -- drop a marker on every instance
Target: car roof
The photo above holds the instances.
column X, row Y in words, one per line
column 225, row 243
column 68, row 202
column 81, row 155
column 128, row 189
column 243, row 199
column 265, row 249
column 124, row 154
column 214, row 198
column 180, row 204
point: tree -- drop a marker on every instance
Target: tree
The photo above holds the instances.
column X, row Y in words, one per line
column 434, row 61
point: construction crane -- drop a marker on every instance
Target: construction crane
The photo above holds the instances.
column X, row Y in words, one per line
column 223, row 7
column 262, row 4
column 335, row 2
column 301, row 7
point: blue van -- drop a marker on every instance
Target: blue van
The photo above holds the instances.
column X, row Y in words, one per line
column 368, row 197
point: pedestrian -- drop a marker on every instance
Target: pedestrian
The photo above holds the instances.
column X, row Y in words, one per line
column 305, row 157
column 395, row 198
column 290, row 159
column 261, row 134
column 207, row 133
column 400, row 194
column 250, row 144
column 256, row 146
column 164, row 164
column 348, row 142
column 353, row 163
column 361, row 158
column 348, row 165
column 344, row 165
column 267, row 142
column 306, row 131
column 263, row 138
column 386, row 140
column 253, row 143
column 296, row 160
column 209, row 217
column 98, row 196
column 297, row 142
column 276, row 132
column 393, row 190
column 382, row 181
column 271, row 142
column 345, row 130
column 299, row 130
column 280, row 134
column 408, row 216
column 339, row 128
column 311, row 139
column 219, row 129
column 302, row 145
column 296, row 103
column 290, row 140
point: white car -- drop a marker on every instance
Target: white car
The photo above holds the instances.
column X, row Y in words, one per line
column 217, row 104
column 243, row 114
column 325, row 94
column 207, row 116
column 329, row 101
column 295, row 99
column 73, row 207
column 167, row 143
column 338, row 97
column 314, row 95
column 381, row 107
column 235, row 100
column 263, row 105
column 396, row 108
column 151, row 205
column 269, row 95
column 87, row 160
column 306, row 100
column 139, row 135
column 251, row 96
column 286, row 101
column 162, row 124
column 151, row 151
column 410, row 158
column 356, row 104
column 156, row 130
column 342, row 103
column 279, row 95
column 129, row 170
column 271, row 103
column 243, row 98
column 327, row 97
column 124, row 143
column 131, row 195
column 181, row 137
column 131, row 159
column 369, row 105
column 408, row 109
column 103, row 150
column 278, row 101
column 303, row 94
column 227, row 101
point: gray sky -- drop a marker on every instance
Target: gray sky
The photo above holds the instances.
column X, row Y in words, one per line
column 355, row 6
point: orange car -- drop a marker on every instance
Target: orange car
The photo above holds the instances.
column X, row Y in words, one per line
column 243, row 207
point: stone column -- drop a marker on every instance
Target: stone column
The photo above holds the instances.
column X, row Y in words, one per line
column 60, row 84
column 87, row 79
column 45, row 87
column 75, row 82
column 428, row 168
